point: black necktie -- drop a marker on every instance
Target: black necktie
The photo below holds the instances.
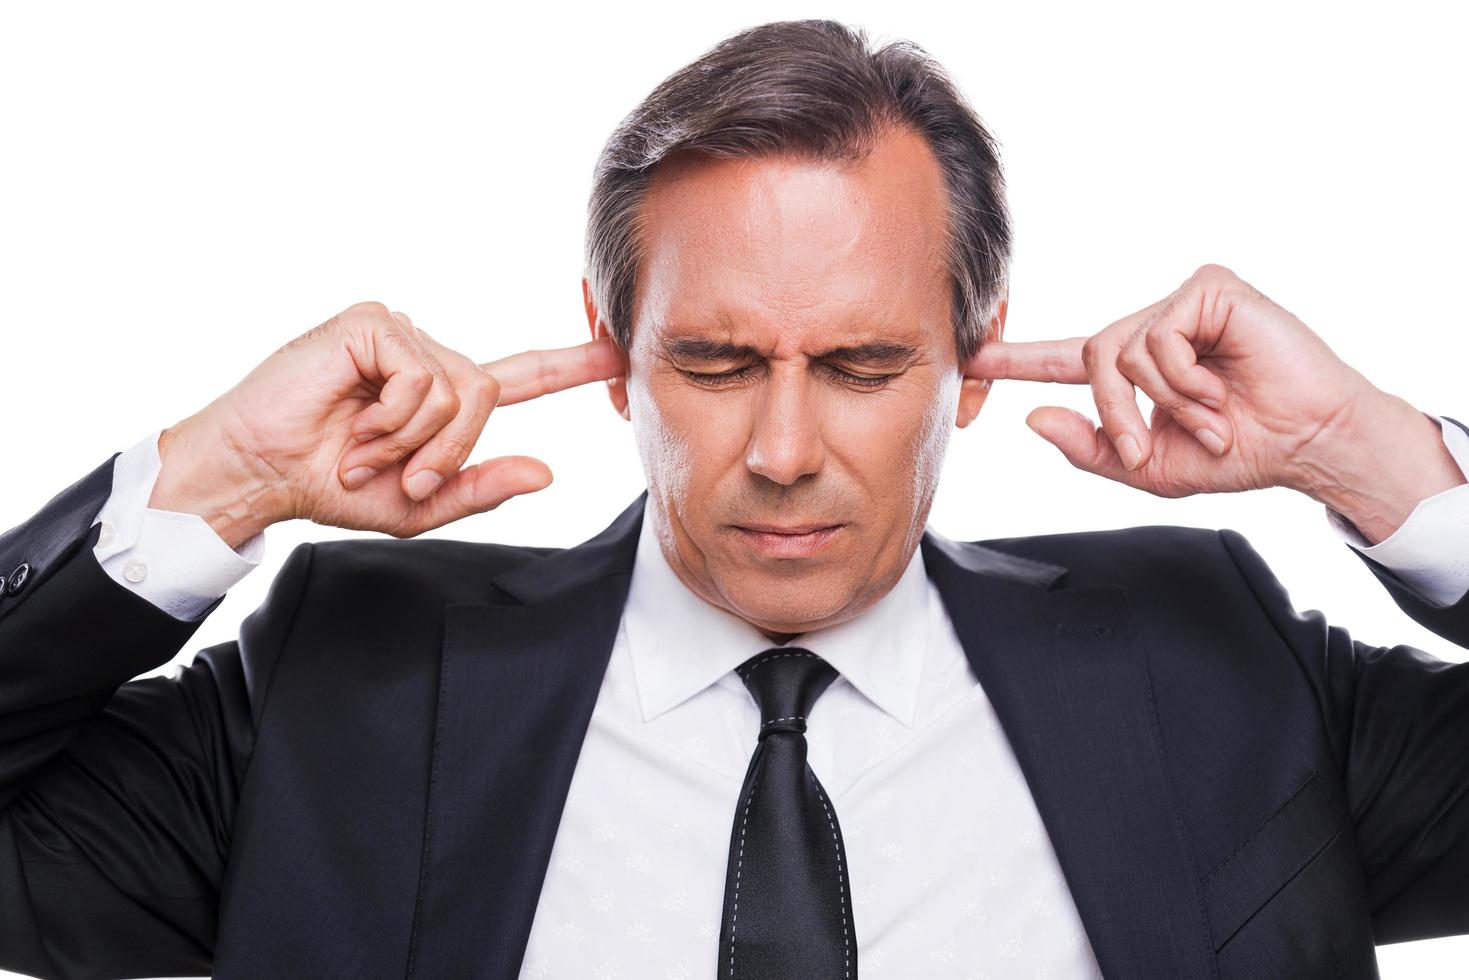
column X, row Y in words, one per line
column 787, row 895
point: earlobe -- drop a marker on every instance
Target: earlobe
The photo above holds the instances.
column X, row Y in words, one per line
column 972, row 393
column 617, row 391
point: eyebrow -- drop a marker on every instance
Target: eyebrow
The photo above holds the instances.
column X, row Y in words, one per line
column 878, row 353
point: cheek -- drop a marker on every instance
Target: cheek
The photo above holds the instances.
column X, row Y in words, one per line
column 896, row 443
column 683, row 444
column 931, row 440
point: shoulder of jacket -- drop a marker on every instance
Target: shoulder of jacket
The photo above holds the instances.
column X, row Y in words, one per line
column 1119, row 556
column 427, row 569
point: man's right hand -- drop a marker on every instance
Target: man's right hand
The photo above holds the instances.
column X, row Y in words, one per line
column 362, row 422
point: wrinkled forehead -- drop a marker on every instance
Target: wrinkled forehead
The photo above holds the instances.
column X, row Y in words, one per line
column 788, row 247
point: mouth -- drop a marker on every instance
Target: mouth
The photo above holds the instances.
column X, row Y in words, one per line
column 789, row 541
column 786, row 528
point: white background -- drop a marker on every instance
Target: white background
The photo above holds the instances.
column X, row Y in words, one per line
column 185, row 188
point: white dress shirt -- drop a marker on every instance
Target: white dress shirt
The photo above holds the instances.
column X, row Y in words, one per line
column 965, row 886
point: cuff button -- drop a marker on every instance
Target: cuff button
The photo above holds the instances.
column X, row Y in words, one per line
column 18, row 578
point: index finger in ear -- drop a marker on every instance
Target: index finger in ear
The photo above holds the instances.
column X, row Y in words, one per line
column 1030, row 360
column 533, row 373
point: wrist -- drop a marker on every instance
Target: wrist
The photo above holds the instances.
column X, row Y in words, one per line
column 204, row 473
column 1376, row 463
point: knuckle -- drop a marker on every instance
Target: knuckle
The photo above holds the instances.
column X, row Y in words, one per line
column 1175, row 404
column 370, row 308
column 490, row 383
column 1212, row 270
column 453, row 447
column 418, row 381
column 1107, row 406
column 1153, row 340
column 443, row 402
column 484, row 390
column 390, row 449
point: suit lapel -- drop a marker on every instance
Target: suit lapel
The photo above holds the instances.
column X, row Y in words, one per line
column 1070, row 685
column 517, row 684
column 1062, row 667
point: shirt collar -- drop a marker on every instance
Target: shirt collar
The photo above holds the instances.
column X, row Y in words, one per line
column 681, row 644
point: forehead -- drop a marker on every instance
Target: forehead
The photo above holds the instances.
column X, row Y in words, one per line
column 783, row 249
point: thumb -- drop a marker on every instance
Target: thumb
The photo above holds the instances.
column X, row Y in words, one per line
column 1085, row 445
column 482, row 487
column 1067, row 430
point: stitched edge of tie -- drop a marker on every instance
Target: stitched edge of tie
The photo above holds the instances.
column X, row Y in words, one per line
column 739, row 864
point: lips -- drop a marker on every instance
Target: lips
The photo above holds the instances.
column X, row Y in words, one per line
column 788, row 528
column 806, row 541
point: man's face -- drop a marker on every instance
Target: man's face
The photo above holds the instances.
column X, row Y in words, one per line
column 761, row 270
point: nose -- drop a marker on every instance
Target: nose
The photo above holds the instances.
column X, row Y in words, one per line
column 785, row 440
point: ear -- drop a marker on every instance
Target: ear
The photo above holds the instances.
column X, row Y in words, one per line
column 616, row 387
column 973, row 391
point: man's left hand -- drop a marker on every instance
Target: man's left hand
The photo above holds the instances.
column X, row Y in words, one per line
column 1245, row 397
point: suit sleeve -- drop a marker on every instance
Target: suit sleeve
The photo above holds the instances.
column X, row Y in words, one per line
column 117, row 796
column 1397, row 718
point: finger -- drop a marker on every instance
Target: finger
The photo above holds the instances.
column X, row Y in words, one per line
column 445, row 452
column 439, row 405
column 1030, row 360
column 1116, row 401
column 475, row 489
column 1178, row 361
column 1114, row 395
column 1211, row 428
column 1084, row 444
column 366, row 460
column 406, row 373
column 1048, row 360
column 533, row 373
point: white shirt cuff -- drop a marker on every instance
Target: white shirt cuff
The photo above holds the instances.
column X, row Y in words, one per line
column 1430, row 551
column 174, row 560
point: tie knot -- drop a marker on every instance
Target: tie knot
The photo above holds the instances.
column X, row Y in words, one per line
column 786, row 681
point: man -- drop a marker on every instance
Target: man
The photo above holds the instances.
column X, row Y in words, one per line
column 767, row 722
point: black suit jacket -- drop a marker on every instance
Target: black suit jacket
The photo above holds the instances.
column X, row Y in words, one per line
column 368, row 781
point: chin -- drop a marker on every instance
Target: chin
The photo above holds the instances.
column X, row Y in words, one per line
column 772, row 606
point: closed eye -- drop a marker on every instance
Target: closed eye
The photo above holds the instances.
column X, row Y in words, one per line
column 728, row 378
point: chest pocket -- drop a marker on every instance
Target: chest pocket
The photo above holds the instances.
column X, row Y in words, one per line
column 1274, row 853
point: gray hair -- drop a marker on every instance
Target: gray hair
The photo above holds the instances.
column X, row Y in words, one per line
column 811, row 88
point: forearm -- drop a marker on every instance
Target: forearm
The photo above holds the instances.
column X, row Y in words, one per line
column 1377, row 466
